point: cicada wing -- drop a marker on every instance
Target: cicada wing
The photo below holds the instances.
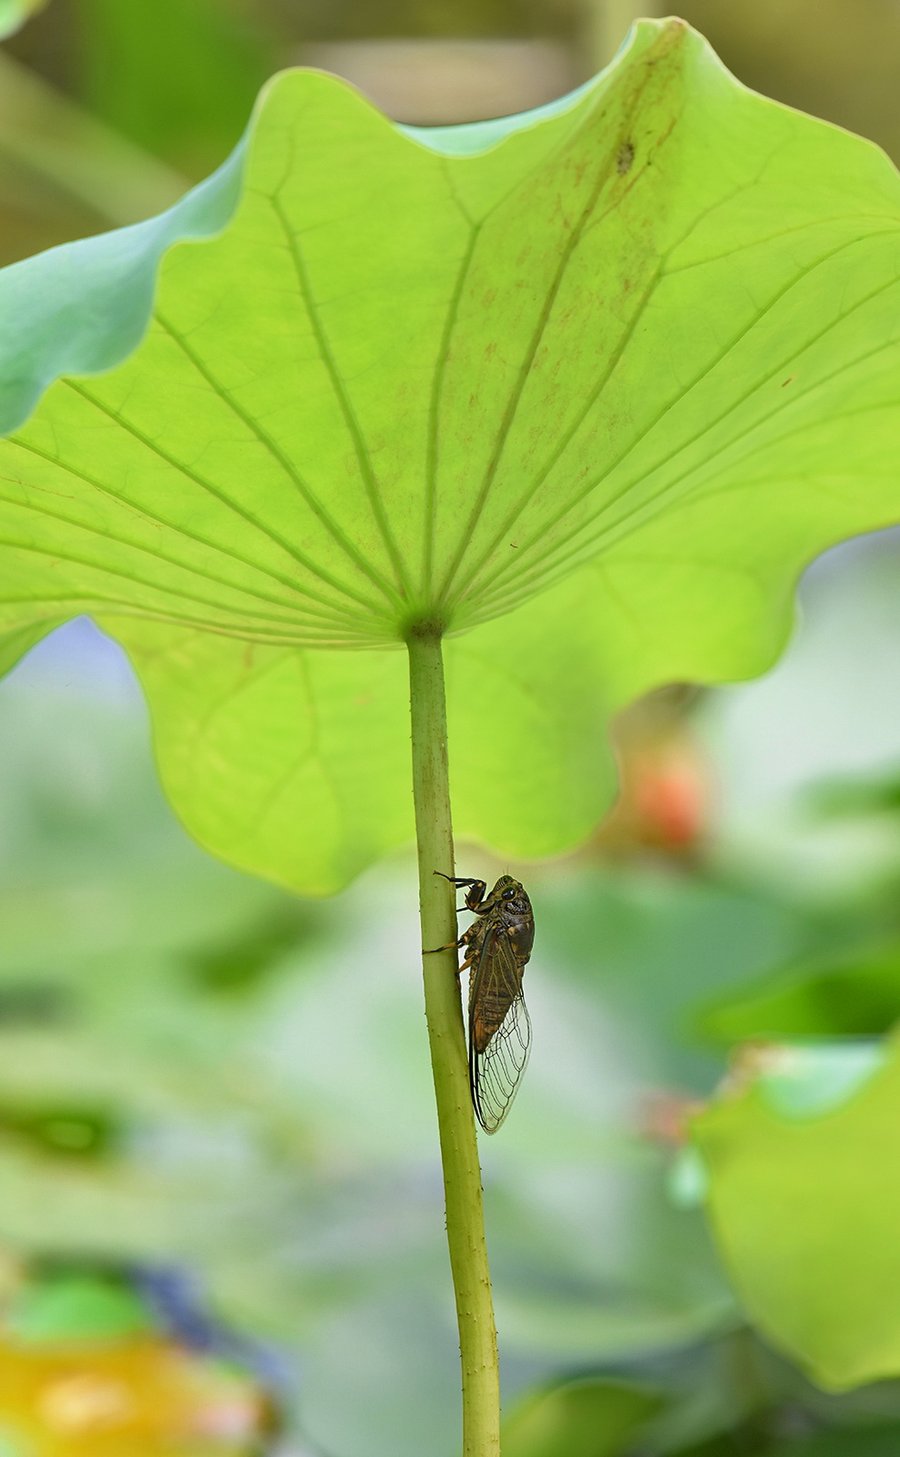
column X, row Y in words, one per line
column 498, row 1058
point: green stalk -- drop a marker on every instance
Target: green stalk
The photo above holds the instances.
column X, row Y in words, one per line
column 62, row 146
column 443, row 1011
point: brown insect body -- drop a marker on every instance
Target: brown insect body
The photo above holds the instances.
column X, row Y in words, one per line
column 497, row 949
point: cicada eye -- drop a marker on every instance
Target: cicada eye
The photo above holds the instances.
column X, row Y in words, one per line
column 509, row 894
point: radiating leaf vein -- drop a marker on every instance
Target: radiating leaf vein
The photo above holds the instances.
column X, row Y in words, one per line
column 369, row 478
column 552, row 558
column 275, row 537
column 256, row 429
column 604, row 170
column 195, row 569
column 437, row 386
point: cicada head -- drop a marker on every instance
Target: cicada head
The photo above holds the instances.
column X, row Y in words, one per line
column 511, row 896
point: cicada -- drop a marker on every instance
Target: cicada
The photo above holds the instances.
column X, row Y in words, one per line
column 497, row 948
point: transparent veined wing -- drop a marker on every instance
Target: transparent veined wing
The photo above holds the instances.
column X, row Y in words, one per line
column 499, row 1028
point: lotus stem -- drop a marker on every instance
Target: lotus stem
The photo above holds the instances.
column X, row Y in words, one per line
column 443, row 1011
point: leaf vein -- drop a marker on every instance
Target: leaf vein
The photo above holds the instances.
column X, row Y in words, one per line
column 192, row 568
column 539, row 536
column 437, row 387
column 283, row 460
column 351, row 421
column 247, row 516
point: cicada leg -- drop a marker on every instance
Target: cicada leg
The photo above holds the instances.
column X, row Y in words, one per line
column 450, row 946
column 475, row 889
column 464, row 940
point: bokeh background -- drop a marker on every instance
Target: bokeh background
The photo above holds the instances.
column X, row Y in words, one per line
column 220, row 1202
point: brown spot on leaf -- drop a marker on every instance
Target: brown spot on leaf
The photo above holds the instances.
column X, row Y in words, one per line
column 625, row 158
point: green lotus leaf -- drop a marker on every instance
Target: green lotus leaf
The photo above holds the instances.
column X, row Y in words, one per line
column 867, row 1439
column 586, row 1418
column 586, row 388
column 804, row 1198
column 16, row 644
column 853, row 993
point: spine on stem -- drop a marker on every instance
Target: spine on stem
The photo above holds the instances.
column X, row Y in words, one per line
column 456, row 1123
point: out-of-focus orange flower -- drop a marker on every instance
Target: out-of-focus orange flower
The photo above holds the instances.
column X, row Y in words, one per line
column 144, row 1398
column 665, row 783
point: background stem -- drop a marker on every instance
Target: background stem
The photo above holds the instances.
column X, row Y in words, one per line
column 69, row 151
column 605, row 24
column 456, row 1123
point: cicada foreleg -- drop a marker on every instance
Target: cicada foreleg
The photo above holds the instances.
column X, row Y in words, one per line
column 475, row 890
column 475, row 893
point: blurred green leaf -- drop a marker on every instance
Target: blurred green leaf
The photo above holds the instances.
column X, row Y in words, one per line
column 14, row 13
column 732, row 1443
column 849, row 797
column 805, row 1206
column 856, row 1441
column 68, row 1130
column 808, row 1078
column 652, row 945
column 72, row 1307
column 328, row 435
column 238, row 962
column 587, row 1418
column 719, row 1397
column 855, row 995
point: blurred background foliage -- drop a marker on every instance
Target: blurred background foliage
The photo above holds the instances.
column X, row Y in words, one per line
column 220, row 1226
